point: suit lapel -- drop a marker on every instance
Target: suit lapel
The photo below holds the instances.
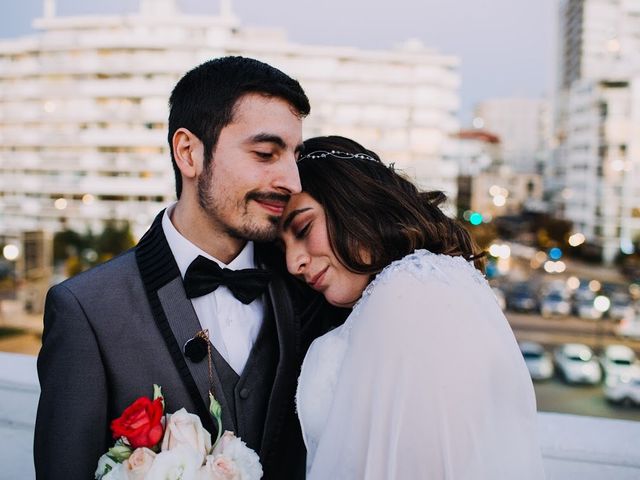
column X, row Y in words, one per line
column 184, row 324
column 287, row 327
column 170, row 308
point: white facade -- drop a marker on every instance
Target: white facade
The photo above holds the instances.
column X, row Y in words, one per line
column 474, row 151
column 602, row 188
column 598, row 39
column 523, row 126
column 596, row 166
column 83, row 109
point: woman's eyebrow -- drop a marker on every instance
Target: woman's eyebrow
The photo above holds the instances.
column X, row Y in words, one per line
column 291, row 216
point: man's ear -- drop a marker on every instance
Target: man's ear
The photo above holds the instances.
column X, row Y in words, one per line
column 188, row 152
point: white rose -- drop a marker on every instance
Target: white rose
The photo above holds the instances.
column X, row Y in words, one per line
column 246, row 461
column 139, row 463
column 105, row 462
column 117, row 473
column 180, row 463
column 219, row 468
column 184, row 428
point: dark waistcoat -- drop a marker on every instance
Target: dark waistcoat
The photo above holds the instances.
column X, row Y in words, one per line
column 247, row 396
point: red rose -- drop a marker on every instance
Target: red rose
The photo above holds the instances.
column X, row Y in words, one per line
column 140, row 423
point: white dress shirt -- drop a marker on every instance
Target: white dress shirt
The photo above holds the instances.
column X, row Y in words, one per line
column 233, row 326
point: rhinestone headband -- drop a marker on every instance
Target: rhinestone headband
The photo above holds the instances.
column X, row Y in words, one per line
column 337, row 154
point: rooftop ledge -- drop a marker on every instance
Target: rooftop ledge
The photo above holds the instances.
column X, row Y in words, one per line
column 573, row 447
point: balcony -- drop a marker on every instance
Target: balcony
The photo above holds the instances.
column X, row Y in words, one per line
column 573, row 447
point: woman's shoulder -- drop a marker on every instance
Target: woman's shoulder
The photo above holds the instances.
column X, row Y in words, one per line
column 423, row 266
column 421, row 273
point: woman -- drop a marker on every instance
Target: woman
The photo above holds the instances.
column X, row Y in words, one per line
column 424, row 379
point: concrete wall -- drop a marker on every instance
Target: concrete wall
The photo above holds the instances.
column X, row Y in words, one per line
column 573, row 447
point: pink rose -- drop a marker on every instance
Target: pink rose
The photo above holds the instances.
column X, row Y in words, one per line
column 139, row 463
column 219, row 468
column 186, row 429
column 245, row 461
column 224, row 442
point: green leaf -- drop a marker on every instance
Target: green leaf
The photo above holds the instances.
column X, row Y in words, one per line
column 216, row 411
column 120, row 451
column 214, row 406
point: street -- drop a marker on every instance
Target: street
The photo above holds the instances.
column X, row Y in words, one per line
column 554, row 395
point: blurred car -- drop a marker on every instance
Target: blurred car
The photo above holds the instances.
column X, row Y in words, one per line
column 500, row 298
column 554, row 303
column 621, row 306
column 587, row 310
column 584, row 293
column 629, row 326
column 624, row 389
column 576, row 363
column 521, row 298
column 618, row 361
column 537, row 359
column 557, row 286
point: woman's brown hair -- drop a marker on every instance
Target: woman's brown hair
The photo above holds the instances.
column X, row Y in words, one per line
column 374, row 215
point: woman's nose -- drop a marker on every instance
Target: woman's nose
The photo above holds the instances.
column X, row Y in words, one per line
column 297, row 261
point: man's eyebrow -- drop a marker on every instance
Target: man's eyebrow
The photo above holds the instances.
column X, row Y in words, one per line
column 291, row 216
column 268, row 138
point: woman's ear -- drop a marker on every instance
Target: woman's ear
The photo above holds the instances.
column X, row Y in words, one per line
column 188, row 153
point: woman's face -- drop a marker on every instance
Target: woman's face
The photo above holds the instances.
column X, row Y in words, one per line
column 303, row 230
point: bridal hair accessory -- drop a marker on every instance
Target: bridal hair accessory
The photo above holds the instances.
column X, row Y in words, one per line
column 337, row 154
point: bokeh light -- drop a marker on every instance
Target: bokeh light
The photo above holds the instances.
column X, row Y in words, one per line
column 60, row 203
column 475, row 218
column 601, row 303
column 11, row 252
column 576, row 239
column 573, row 283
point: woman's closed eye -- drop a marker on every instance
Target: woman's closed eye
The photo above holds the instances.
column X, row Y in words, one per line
column 302, row 232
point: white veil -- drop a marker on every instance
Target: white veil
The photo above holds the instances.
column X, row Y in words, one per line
column 433, row 385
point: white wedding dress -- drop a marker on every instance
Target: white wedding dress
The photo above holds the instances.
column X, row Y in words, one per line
column 423, row 381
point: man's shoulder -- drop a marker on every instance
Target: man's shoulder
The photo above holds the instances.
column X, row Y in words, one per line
column 113, row 272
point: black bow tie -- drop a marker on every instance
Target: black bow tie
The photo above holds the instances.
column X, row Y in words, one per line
column 204, row 276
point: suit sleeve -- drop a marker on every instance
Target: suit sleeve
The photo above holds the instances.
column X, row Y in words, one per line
column 72, row 422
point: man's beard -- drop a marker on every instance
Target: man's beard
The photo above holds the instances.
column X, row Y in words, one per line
column 249, row 230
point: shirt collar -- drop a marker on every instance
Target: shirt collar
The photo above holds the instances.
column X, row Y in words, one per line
column 186, row 252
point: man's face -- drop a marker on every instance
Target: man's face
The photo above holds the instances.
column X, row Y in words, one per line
column 253, row 171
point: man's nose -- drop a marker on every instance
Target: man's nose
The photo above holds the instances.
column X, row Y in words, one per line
column 288, row 178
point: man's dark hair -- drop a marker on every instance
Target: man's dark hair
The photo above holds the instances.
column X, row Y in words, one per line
column 203, row 101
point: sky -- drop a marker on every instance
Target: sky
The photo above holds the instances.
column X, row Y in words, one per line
column 506, row 47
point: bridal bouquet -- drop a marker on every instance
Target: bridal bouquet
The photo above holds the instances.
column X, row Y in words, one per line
column 152, row 446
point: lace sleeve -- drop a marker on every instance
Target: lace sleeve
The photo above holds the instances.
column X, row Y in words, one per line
column 433, row 384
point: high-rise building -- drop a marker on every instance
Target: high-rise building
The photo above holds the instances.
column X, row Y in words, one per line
column 523, row 126
column 595, row 169
column 83, row 108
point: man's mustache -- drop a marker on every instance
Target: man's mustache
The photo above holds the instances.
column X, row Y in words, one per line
column 268, row 196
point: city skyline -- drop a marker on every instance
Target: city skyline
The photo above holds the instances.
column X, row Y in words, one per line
column 506, row 51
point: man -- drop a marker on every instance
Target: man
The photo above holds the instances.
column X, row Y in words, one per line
column 235, row 132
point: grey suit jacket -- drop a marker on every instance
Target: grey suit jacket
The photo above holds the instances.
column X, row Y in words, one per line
column 113, row 331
